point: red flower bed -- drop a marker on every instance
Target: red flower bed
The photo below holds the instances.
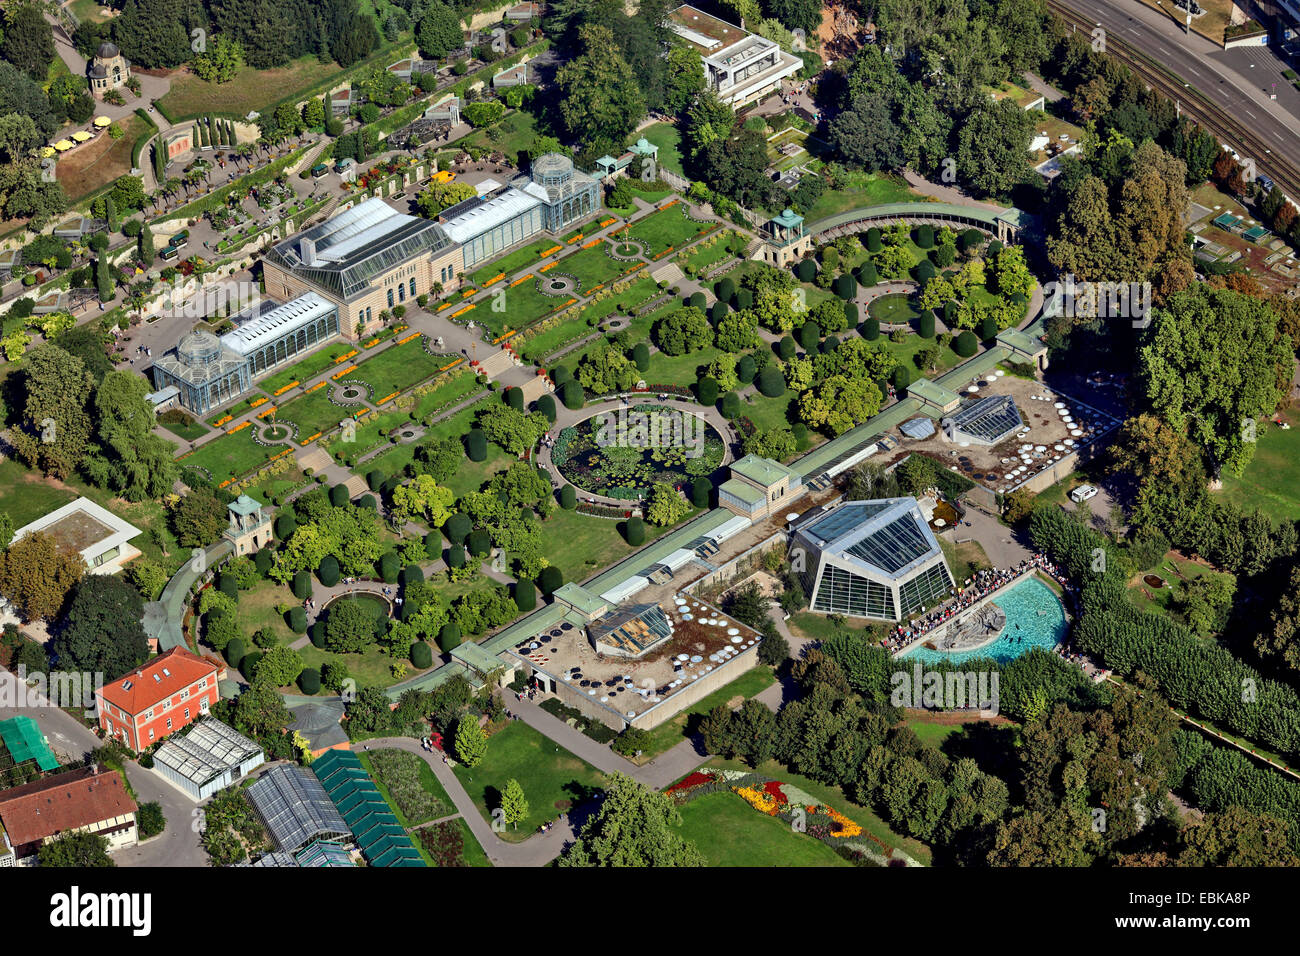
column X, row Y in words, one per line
column 773, row 789
column 697, row 779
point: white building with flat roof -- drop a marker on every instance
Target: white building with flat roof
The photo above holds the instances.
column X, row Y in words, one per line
column 99, row 536
column 739, row 66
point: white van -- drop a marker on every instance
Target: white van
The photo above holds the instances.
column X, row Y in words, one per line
column 1083, row 493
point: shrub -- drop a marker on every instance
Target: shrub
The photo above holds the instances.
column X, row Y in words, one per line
column 339, row 495
column 873, row 239
column 867, row 275
column 572, row 396
column 568, row 498
column 449, row 638
column 480, row 542
column 309, row 681
column 550, row 580
column 297, row 619
column 457, row 527
column 806, row 270
column 966, row 344
column 786, row 348
column 411, row 574
column 706, row 390
column 810, row 334
column 374, row 479
column 328, row 573
column 389, row 567
column 455, row 557
column 369, row 502
column 476, row 445
column 641, row 356
column 845, row 286
column 988, row 328
column 302, row 585
column 871, row 329
column 525, row 594
column 561, row 374
column 901, row 377
column 634, row 531
column 263, row 560
column 235, row 651
column 746, row 369
column 701, row 488
column 546, row 405
column 925, row 325
column 730, row 406
column 925, row 236
column 249, row 664
column 515, row 398
column 421, row 655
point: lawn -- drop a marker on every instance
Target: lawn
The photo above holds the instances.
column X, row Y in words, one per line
column 1271, row 482
column 306, row 370
column 835, row 797
column 101, row 161
column 553, row 779
column 929, row 733
column 396, row 369
column 729, row 832
column 581, row 545
column 768, row 412
column 257, row 609
column 250, row 89
column 964, row 559
column 592, row 267
column 893, row 309
column 369, row 669
column 669, row 140
column 516, row 133
column 905, row 350
column 667, row 229
column 190, row 430
column 314, row 412
column 449, row 393
column 229, row 414
column 231, row 456
column 1176, row 573
column 862, row 189
column 672, row 732
column 679, row 369
column 523, row 304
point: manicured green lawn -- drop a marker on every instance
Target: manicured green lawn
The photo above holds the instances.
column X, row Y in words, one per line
column 931, row 734
column 863, row 189
column 581, row 545
column 314, row 412
column 768, row 412
column 1271, row 482
column 369, row 669
column 189, row 431
column 306, row 370
column 672, row 732
column 668, row 228
column 668, row 139
column 448, row 393
column 552, row 778
column 396, row 368
column 905, row 350
column 250, row 89
column 232, row 456
column 729, row 832
column 592, row 267
column 680, row 369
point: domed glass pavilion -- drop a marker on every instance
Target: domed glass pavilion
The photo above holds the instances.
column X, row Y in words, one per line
column 207, row 372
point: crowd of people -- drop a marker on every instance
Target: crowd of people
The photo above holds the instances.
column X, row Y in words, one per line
column 975, row 589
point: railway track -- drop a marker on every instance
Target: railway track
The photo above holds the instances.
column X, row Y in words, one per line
column 1194, row 103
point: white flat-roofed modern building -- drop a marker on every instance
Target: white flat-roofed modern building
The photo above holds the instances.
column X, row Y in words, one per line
column 874, row 559
column 99, row 536
column 739, row 66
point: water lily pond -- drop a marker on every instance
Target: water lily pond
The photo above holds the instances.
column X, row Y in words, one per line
column 623, row 453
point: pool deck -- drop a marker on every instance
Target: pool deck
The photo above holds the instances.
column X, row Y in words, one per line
column 942, row 629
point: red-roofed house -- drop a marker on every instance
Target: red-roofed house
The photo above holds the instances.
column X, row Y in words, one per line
column 92, row 799
column 160, row 697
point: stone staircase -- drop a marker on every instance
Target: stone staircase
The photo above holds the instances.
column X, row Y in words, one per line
column 668, row 272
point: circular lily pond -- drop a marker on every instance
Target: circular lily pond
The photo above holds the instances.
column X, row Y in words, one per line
column 624, row 452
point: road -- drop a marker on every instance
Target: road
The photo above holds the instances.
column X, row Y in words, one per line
column 1239, row 82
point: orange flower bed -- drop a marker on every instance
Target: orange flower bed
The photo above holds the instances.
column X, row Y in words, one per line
column 258, row 401
column 670, row 204
column 413, row 335
column 503, row 337
column 549, row 265
column 521, row 279
column 238, row 428
column 467, row 293
column 320, row 384
column 445, row 305
column 452, row 365
column 388, row 398
column 588, row 245
column 225, row 418
column 547, row 252
column 496, row 278
column 462, row 311
column 343, row 371
column 577, row 238
column 371, row 344
column 607, row 222
column 269, row 411
column 281, row 391
column 344, row 358
column 310, row 438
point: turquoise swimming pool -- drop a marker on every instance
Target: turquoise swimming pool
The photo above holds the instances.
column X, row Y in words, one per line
column 1035, row 618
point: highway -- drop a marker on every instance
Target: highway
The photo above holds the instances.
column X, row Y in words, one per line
column 1228, row 91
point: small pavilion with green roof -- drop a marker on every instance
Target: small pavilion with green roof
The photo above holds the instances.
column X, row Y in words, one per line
column 785, row 238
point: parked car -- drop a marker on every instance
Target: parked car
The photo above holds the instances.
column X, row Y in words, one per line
column 1083, row 493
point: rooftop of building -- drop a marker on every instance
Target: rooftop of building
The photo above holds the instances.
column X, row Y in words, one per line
column 82, row 526
column 763, row 471
column 267, row 324
column 61, row 802
column 167, row 674
column 889, row 536
column 209, row 749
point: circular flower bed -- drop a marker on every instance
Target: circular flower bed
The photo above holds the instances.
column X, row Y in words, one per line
column 557, row 284
column 623, row 453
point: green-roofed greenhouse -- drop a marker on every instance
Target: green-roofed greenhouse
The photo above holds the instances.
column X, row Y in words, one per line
column 383, row 841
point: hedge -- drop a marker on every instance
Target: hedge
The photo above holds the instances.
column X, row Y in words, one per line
column 421, row 655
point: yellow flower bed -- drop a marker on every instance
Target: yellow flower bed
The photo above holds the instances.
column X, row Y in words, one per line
column 759, row 800
column 320, row 384
column 269, row 411
column 281, row 391
column 521, row 279
column 344, row 371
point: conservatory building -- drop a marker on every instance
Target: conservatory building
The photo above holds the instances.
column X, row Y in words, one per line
column 205, row 372
column 874, row 559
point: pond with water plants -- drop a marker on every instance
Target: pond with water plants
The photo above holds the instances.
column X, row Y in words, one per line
column 622, row 453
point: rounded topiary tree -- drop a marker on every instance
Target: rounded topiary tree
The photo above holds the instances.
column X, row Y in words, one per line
column 456, row 556
column 867, row 275
column 339, row 495
column 449, row 638
column 297, row 619
column 634, row 531
column 830, row 344
column 641, row 356
column 457, row 527
column 850, row 315
column 248, row 666
column 515, row 398
column 925, row 271
column 263, row 560
column 568, row 498
column 771, row 383
column 375, row 479
column 746, row 368
column 988, row 328
column 873, row 242
column 800, row 432
column 806, row 270
column 389, row 567
column 561, row 374
column 925, row 324
column 901, row 377
column 309, row 681
column 302, row 585
column 227, row 585
column 476, row 445
column 479, row 543
column 966, row 344
column 235, row 651
column 546, row 405
column 845, row 286
column 328, row 573
column 432, row 545
column 786, row 348
column 706, row 390
column 421, row 655
column 525, row 594
column 810, row 334
column 950, row 313
column 701, row 489
column 871, row 328
column 550, row 580
column 717, row 312
column 730, row 406
column 925, row 235
column 725, row 290
column 572, row 396
column 744, row 299
column 316, row 634
column 411, row 574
